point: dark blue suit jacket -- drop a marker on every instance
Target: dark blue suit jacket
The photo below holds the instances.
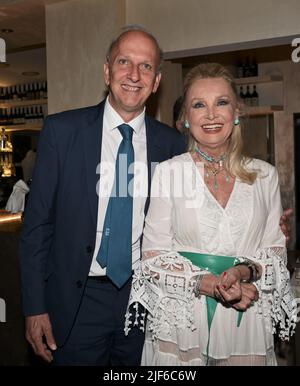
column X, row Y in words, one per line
column 59, row 230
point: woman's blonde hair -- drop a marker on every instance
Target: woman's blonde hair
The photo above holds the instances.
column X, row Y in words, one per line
column 235, row 161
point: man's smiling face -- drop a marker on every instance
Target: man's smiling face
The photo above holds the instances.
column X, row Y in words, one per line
column 131, row 73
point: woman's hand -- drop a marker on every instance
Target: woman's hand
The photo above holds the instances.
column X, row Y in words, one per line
column 230, row 296
column 249, row 296
column 228, row 287
column 231, row 292
column 229, row 277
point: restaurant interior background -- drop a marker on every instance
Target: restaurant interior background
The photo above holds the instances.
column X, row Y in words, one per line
column 54, row 55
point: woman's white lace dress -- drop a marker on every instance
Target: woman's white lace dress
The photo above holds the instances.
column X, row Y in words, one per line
column 184, row 216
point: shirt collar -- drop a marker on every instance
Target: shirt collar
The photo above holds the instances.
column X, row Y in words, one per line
column 116, row 120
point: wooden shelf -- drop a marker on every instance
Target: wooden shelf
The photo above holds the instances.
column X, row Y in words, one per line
column 28, row 126
column 262, row 110
column 32, row 102
column 259, row 79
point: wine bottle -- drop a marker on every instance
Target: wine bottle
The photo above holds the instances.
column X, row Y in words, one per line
column 240, row 69
column 242, row 95
column 254, row 68
column 248, row 97
column 246, row 68
column 254, row 97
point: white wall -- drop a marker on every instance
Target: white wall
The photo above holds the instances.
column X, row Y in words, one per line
column 189, row 24
column 78, row 33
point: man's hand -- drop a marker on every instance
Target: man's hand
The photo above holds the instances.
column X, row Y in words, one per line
column 39, row 335
column 285, row 223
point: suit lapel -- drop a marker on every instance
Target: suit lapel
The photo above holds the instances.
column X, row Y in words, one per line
column 92, row 149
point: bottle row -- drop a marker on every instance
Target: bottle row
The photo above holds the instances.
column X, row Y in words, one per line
column 250, row 98
column 21, row 92
column 23, row 115
column 247, row 68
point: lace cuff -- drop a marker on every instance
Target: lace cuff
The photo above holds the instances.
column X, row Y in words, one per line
column 276, row 301
column 158, row 282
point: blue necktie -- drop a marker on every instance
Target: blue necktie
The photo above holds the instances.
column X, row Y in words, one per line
column 115, row 252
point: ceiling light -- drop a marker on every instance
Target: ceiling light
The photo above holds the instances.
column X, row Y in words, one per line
column 30, row 73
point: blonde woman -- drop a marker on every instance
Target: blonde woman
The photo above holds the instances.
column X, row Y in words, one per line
column 211, row 233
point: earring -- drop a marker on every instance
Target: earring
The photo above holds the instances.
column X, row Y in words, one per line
column 186, row 124
column 236, row 121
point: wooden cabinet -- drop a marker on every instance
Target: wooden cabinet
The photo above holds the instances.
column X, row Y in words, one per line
column 262, row 109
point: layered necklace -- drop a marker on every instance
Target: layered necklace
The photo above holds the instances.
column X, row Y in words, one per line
column 213, row 167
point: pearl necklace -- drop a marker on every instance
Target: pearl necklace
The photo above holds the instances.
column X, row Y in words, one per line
column 211, row 168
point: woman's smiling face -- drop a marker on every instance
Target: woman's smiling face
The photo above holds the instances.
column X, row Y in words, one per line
column 210, row 109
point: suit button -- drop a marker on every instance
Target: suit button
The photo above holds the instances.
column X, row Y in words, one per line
column 89, row 249
column 79, row 283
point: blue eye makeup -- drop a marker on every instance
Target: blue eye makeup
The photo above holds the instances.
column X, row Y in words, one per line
column 198, row 105
column 223, row 102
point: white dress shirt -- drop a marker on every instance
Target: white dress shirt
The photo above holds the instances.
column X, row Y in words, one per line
column 111, row 139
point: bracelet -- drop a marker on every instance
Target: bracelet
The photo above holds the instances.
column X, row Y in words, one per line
column 197, row 286
column 252, row 269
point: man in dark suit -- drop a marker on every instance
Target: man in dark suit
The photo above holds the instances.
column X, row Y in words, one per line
column 74, row 310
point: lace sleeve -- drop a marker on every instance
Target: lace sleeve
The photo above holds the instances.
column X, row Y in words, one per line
column 276, row 301
column 148, row 254
column 163, row 282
